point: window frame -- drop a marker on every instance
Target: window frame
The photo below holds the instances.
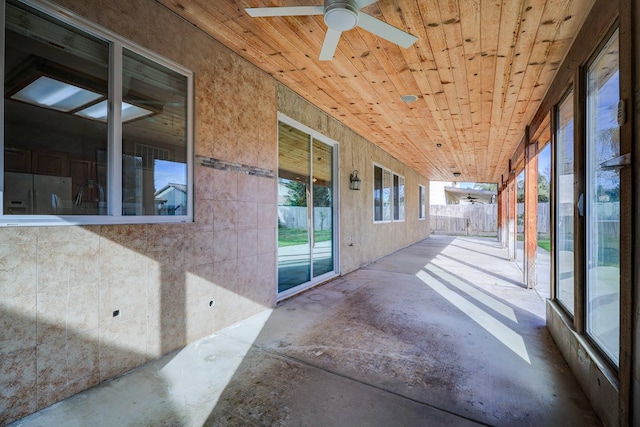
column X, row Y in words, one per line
column 391, row 175
column 557, row 110
column 117, row 44
column 392, row 195
column 400, row 207
column 335, row 164
column 588, row 168
column 422, row 207
column 382, row 171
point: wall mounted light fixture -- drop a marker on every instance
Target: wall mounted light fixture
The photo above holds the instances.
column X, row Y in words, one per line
column 354, row 181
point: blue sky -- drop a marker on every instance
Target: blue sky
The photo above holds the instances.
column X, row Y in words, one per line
column 544, row 160
column 544, row 166
column 166, row 172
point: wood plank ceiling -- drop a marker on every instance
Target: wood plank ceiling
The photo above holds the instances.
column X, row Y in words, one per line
column 479, row 69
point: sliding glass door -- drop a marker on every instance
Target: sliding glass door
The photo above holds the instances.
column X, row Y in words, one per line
column 306, row 214
column 603, row 201
column 294, row 251
column 564, row 249
column 322, row 233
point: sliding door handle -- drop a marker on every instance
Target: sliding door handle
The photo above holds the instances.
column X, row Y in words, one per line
column 617, row 163
column 581, row 205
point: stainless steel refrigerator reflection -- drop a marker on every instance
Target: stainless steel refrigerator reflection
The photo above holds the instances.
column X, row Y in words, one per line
column 28, row 194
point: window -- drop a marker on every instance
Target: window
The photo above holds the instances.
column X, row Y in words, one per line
column 398, row 197
column 564, row 203
column 381, row 194
column 422, row 206
column 388, row 195
column 68, row 158
column 602, row 201
column 377, row 193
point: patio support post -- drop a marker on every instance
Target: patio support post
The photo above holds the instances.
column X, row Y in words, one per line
column 500, row 218
column 502, row 212
column 512, row 224
column 530, row 211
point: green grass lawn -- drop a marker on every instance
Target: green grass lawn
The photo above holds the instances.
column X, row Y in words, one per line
column 296, row 236
column 544, row 241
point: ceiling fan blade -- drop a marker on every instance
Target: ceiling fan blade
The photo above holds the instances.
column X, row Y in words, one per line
column 330, row 44
column 258, row 12
column 386, row 31
column 365, row 3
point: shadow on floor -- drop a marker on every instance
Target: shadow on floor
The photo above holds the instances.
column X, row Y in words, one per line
column 417, row 338
column 424, row 336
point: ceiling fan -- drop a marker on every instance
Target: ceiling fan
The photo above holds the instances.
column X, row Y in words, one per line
column 340, row 16
column 473, row 200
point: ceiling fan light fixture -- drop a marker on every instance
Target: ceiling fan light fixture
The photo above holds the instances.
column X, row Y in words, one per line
column 341, row 15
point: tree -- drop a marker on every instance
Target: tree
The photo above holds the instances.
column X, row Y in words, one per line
column 520, row 188
column 297, row 194
column 485, row 186
column 321, row 196
column 544, row 189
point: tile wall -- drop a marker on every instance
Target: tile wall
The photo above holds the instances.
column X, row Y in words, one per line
column 80, row 305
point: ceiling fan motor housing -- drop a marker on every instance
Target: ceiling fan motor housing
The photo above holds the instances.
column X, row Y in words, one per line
column 341, row 15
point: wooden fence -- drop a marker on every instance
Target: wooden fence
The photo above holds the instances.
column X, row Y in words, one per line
column 296, row 217
column 464, row 220
column 479, row 220
column 544, row 218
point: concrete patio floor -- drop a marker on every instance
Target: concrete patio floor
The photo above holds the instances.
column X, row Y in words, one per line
column 439, row 333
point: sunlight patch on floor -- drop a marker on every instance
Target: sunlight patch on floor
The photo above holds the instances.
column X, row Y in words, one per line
column 452, row 262
column 473, row 292
column 197, row 376
column 507, row 336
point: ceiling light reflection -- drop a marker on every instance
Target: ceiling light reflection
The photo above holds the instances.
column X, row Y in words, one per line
column 54, row 94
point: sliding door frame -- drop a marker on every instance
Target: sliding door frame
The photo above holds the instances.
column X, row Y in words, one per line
column 335, row 189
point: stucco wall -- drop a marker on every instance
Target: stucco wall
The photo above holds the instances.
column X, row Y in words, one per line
column 362, row 241
column 174, row 283
column 597, row 379
column 60, row 286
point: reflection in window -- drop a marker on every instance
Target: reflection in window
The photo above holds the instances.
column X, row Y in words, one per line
column 57, row 125
column 386, row 195
column 398, row 198
column 154, row 144
column 306, row 232
column 382, row 194
column 54, row 159
column 377, row 193
column 565, row 203
column 323, row 244
column 603, row 202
